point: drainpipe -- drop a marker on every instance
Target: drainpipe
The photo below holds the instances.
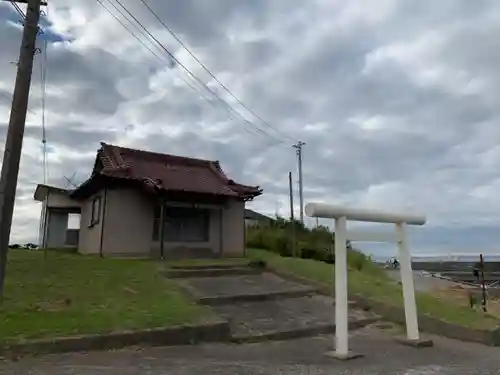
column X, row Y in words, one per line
column 244, row 232
column 45, row 211
column 101, row 254
column 221, row 232
column 162, row 227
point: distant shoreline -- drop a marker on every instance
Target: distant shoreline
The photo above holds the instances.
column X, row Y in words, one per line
column 443, row 258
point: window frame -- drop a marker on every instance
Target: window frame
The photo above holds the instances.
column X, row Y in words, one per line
column 181, row 238
column 95, row 214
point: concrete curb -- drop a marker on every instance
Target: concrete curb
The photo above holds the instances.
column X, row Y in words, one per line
column 208, row 266
column 181, row 335
column 300, row 333
column 210, row 272
column 396, row 314
column 428, row 323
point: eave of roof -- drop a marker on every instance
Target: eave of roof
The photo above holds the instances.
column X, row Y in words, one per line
column 253, row 215
column 163, row 172
column 42, row 191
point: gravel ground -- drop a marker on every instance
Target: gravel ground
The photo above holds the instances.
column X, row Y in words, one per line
column 305, row 356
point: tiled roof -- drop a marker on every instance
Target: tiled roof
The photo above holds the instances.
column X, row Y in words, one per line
column 252, row 215
column 169, row 172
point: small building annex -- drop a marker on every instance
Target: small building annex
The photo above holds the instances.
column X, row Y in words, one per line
column 132, row 195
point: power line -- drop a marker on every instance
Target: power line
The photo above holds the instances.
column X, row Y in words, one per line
column 191, row 86
column 211, row 74
column 192, row 75
column 127, row 28
column 10, row 99
column 18, row 9
column 227, row 106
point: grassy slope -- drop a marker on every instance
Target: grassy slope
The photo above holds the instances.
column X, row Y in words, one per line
column 71, row 294
column 372, row 282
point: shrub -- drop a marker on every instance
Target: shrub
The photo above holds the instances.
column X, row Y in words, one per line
column 356, row 259
column 307, row 252
column 261, row 264
column 254, row 238
column 282, row 244
column 329, row 256
column 314, row 243
column 273, row 239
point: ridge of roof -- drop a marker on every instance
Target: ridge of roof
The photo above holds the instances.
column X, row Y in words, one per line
column 167, row 171
column 115, row 152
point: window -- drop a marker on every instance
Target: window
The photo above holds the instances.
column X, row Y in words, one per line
column 74, row 221
column 182, row 224
column 96, row 211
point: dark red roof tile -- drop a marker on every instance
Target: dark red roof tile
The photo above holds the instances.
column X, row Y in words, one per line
column 170, row 172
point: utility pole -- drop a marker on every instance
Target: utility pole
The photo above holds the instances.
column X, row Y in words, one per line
column 15, row 132
column 483, row 286
column 298, row 147
column 292, row 217
column 291, row 196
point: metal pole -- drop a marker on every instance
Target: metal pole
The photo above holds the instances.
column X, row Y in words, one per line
column 483, row 286
column 15, row 132
column 298, row 146
column 301, row 195
column 292, row 218
column 162, row 228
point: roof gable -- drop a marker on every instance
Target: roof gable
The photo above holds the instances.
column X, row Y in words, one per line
column 168, row 172
column 253, row 215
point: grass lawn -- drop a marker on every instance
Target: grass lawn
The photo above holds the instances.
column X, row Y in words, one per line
column 72, row 294
column 372, row 282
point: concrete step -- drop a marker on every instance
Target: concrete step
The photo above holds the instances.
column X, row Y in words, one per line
column 285, row 319
column 207, row 266
column 211, row 272
column 238, row 288
column 299, row 332
column 255, row 297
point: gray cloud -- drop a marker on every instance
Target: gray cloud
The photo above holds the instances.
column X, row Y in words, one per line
column 397, row 102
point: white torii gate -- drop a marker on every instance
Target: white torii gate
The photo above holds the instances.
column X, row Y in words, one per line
column 342, row 235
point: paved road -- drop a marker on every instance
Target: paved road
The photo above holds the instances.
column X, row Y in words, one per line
column 305, row 356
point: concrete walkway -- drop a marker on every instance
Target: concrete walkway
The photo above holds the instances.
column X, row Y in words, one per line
column 302, row 356
column 264, row 306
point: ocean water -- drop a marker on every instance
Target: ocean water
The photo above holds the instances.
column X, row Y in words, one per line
column 453, row 257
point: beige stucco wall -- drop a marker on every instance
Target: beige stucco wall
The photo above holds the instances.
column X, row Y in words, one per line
column 90, row 236
column 128, row 223
column 60, row 200
column 251, row 222
column 234, row 228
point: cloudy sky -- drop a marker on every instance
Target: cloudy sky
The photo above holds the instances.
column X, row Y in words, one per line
column 398, row 102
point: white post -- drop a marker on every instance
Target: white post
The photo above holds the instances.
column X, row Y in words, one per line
column 407, row 281
column 341, row 302
column 401, row 221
